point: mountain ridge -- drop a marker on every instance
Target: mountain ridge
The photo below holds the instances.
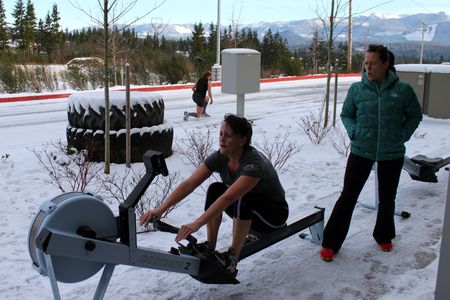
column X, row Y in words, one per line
column 380, row 28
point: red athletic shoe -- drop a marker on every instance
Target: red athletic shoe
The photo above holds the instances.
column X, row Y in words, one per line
column 386, row 247
column 327, row 254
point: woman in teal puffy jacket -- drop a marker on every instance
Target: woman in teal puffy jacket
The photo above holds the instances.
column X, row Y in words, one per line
column 380, row 113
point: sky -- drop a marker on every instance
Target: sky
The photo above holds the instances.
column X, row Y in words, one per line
column 242, row 11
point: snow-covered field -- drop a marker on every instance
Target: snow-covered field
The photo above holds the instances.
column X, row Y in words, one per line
column 290, row 269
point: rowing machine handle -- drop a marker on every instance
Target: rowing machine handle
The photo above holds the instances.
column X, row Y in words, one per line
column 164, row 227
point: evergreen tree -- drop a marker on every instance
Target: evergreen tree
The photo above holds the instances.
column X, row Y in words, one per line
column 281, row 53
column 247, row 40
column 266, row 49
column 212, row 44
column 199, row 48
column 275, row 55
column 40, row 36
column 47, row 44
column 224, row 39
column 212, row 39
column 3, row 26
column 318, row 53
column 182, row 45
column 341, row 55
column 164, row 45
column 30, row 27
column 55, row 18
column 254, row 39
column 18, row 30
column 56, row 35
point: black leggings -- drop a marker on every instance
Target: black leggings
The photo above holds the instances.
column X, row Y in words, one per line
column 356, row 174
column 199, row 99
column 266, row 214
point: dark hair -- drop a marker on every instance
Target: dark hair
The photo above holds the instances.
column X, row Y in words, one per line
column 240, row 126
column 206, row 74
column 382, row 51
column 391, row 61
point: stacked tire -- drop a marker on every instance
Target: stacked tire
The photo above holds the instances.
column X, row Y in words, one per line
column 149, row 130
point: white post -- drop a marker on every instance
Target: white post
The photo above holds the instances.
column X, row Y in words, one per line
column 121, row 72
column 443, row 275
column 217, row 68
column 128, row 117
column 240, row 99
column 421, row 45
column 218, row 34
column 424, row 28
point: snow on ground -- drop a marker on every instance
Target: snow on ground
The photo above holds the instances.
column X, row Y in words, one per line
column 290, row 269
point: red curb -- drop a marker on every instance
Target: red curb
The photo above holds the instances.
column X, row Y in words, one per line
column 303, row 77
column 34, row 97
column 162, row 88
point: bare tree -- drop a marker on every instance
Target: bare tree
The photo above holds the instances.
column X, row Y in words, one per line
column 335, row 12
column 331, row 16
column 113, row 11
column 234, row 27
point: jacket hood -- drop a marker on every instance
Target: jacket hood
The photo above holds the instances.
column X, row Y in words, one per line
column 389, row 81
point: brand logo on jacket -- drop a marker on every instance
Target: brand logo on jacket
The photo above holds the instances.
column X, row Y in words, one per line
column 394, row 95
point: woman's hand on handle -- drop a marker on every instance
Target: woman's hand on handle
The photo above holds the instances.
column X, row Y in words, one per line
column 149, row 215
column 186, row 230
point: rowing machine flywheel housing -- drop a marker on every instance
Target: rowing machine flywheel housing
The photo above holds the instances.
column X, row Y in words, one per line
column 68, row 213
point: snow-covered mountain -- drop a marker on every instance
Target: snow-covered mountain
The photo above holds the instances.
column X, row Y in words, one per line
column 383, row 28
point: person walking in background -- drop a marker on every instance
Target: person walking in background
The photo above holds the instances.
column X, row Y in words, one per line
column 250, row 192
column 380, row 114
column 201, row 87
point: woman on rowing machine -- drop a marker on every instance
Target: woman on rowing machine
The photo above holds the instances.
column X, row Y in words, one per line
column 250, row 191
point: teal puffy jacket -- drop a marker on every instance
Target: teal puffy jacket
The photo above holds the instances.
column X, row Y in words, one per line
column 380, row 118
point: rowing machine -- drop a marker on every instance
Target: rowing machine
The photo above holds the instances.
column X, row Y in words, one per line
column 423, row 168
column 75, row 235
column 420, row 168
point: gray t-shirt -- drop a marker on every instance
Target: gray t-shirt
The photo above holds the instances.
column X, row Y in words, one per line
column 254, row 164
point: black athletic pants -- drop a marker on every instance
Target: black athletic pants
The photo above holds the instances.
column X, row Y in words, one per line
column 200, row 101
column 266, row 215
column 356, row 174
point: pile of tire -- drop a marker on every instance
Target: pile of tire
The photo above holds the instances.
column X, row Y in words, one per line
column 149, row 130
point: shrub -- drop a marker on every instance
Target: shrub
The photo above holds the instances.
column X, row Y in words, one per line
column 312, row 126
column 117, row 187
column 278, row 149
column 196, row 146
column 8, row 80
column 68, row 169
column 340, row 141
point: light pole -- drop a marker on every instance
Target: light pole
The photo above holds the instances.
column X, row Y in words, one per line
column 350, row 43
column 424, row 29
column 217, row 68
column 218, row 34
